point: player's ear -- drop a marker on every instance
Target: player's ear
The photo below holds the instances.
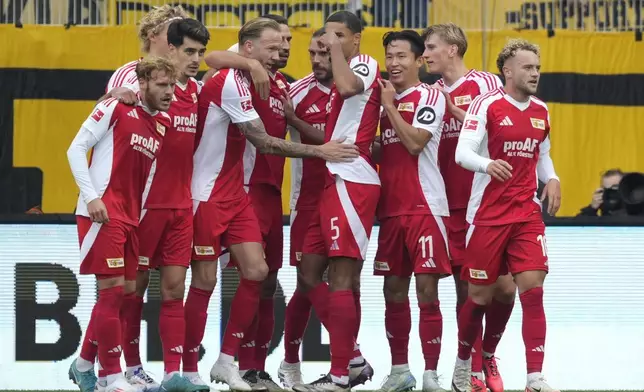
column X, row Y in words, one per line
column 356, row 38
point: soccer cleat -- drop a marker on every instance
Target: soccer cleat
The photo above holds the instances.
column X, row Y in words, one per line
column 141, row 380
column 228, row 373
column 323, row 384
column 266, row 380
column 196, row 382
column 289, row 374
column 360, row 373
column 86, row 381
column 177, row 383
column 398, row 382
column 100, row 386
column 539, row 384
column 120, row 385
column 461, row 380
column 478, row 385
column 252, row 378
column 430, row 382
column 493, row 378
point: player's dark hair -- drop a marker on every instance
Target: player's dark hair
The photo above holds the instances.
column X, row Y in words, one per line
column 278, row 18
column 415, row 40
column 348, row 19
column 191, row 28
column 318, row 33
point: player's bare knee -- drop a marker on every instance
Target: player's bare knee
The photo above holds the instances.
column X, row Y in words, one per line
column 172, row 285
column 269, row 286
column 107, row 282
column 461, row 289
column 427, row 288
column 529, row 280
column 481, row 294
column 142, row 282
column 355, row 284
column 505, row 290
column 129, row 287
column 204, row 275
column 256, row 271
column 341, row 274
column 395, row 289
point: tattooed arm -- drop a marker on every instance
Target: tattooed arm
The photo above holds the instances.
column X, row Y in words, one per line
column 333, row 151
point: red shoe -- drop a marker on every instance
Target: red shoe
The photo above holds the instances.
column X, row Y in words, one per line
column 478, row 385
column 493, row 378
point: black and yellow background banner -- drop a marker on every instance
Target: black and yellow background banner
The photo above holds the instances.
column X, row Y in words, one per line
column 50, row 78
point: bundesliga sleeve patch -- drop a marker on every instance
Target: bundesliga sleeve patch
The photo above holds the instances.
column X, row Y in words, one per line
column 247, row 105
column 470, row 125
column 361, row 69
column 97, row 115
column 426, row 116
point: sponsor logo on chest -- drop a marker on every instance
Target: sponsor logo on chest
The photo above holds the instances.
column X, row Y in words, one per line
column 276, row 105
column 389, row 136
column 186, row 123
column 148, row 146
column 451, row 128
column 520, row 148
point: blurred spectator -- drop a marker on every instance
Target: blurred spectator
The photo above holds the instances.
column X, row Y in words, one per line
column 606, row 199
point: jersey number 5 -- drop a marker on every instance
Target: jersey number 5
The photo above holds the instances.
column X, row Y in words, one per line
column 427, row 246
column 335, row 229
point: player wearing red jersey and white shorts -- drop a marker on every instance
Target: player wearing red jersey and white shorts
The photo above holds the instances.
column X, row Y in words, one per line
column 307, row 117
column 505, row 141
column 341, row 228
column 412, row 237
column 223, row 211
column 445, row 46
column 125, row 142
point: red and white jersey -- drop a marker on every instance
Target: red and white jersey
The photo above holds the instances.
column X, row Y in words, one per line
column 122, row 163
column 124, row 77
column 355, row 119
column 171, row 185
column 267, row 168
column 499, row 127
column 218, row 173
column 413, row 185
column 458, row 181
column 308, row 176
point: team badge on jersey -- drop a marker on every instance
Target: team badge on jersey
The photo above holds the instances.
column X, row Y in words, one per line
column 470, row 125
column 115, row 263
column 361, row 69
column 426, row 116
column 97, row 115
column 406, row 107
column 194, row 97
column 281, row 84
column 463, row 100
column 247, row 105
column 538, row 123
column 161, row 129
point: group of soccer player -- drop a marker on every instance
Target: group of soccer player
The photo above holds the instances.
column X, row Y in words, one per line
column 187, row 174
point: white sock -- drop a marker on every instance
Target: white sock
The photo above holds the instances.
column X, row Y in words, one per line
column 487, row 355
column 83, row 365
column 225, row 358
column 113, row 377
column 290, row 365
column 396, row 369
column 534, row 376
column 168, row 376
column 344, row 380
column 462, row 362
column 191, row 375
column 131, row 369
column 102, row 381
column 357, row 360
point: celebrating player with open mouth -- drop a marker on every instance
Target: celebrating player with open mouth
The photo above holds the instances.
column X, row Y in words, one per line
column 412, row 238
column 505, row 141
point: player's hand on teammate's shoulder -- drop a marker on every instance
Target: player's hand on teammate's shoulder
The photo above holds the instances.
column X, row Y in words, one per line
column 337, row 151
column 261, row 80
column 97, row 211
column 552, row 191
column 124, row 95
column 387, row 92
column 500, row 170
column 289, row 112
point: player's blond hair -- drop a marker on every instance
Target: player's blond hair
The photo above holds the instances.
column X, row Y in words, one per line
column 146, row 67
column 511, row 48
column 450, row 33
column 253, row 29
column 152, row 23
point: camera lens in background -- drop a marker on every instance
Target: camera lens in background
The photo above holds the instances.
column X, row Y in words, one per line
column 612, row 200
column 631, row 190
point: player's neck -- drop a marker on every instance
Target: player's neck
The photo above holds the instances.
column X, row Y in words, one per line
column 406, row 85
column 454, row 72
column 156, row 52
column 515, row 94
column 146, row 107
column 183, row 79
column 355, row 52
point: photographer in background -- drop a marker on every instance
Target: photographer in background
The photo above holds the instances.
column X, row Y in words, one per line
column 607, row 198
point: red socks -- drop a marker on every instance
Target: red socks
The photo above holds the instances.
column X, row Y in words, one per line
column 430, row 328
column 496, row 318
column 89, row 348
column 195, row 316
column 246, row 351
column 398, row 327
column 172, row 330
column 131, row 314
column 265, row 329
column 356, row 301
column 470, row 321
column 108, row 330
column 534, row 328
column 243, row 310
column 477, row 354
column 319, row 297
column 342, row 310
column 297, row 316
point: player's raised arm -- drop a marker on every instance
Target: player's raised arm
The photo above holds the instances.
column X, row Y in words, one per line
column 91, row 132
column 221, row 59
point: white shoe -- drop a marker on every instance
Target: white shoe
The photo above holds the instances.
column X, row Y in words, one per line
column 323, row 384
column 100, row 387
column 539, row 384
column 289, row 374
column 228, row 373
column 461, row 380
column 120, row 385
column 430, row 382
column 399, row 382
column 360, row 373
column 139, row 379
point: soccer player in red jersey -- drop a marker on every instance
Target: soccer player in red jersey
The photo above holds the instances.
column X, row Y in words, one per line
column 412, row 237
column 223, row 211
column 341, row 228
column 307, row 112
column 445, row 46
column 125, row 142
column 505, row 141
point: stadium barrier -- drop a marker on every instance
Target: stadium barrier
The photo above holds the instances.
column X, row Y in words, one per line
column 592, row 83
column 593, row 298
